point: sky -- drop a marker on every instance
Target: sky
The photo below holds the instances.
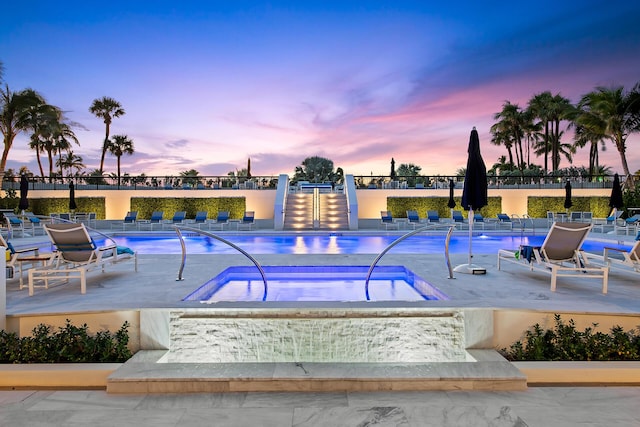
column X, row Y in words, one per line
column 207, row 85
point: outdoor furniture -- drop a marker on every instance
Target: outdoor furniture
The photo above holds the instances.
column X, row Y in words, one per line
column 618, row 259
column 221, row 221
column 129, row 220
column 76, row 254
column 386, row 219
column 560, row 255
column 504, row 221
column 413, row 218
column 15, row 225
column 156, row 219
column 248, row 220
column 433, row 217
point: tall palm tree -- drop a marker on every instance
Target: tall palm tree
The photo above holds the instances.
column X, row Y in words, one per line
column 119, row 145
column 561, row 109
column 509, row 129
column 540, row 107
column 106, row 109
column 613, row 115
column 13, row 117
column 39, row 118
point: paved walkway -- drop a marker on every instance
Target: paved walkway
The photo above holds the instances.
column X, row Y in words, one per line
column 536, row 407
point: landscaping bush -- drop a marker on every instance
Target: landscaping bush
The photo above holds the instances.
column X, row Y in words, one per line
column 565, row 343
column 400, row 205
column 70, row 344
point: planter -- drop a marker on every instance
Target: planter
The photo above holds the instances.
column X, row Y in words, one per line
column 56, row 375
column 580, row 373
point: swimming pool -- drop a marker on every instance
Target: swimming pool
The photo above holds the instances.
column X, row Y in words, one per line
column 316, row 283
column 336, row 243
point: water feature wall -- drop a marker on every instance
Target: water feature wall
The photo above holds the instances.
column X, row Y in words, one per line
column 381, row 335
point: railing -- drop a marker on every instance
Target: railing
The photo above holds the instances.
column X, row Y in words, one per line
column 400, row 239
column 225, row 182
column 225, row 241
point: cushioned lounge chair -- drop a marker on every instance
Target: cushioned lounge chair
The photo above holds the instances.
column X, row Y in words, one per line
column 200, row 219
column 413, row 218
column 130, row 220
column 618, row 259
column 221, row 221
column 386, row 219
column 76, row 254
column 21, row 258
column 155, row 220
column 179, row 217
column 247, row 221
column 504, row 221
column 560, row 255
column 14, row 224
column 433, row 217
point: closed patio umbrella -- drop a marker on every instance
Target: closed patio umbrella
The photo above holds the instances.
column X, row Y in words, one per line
column 451, row 203
column 249, row 167
column 393, row 173
column 72, row 197
column 24, row 191
column 474, row 195
column 615, row 201
column 567, row 197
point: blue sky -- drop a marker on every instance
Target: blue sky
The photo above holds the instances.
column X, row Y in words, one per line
column 206, row 85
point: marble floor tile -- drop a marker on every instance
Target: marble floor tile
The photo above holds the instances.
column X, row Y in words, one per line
column 456, row 416
column 86, row 400
column 297, row 400
column 413, row 398
column 120, row 418
column 379, row 416
column 237, row 417
column 14, row 417
column 192, row 400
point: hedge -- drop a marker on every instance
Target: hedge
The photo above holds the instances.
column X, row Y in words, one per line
column 169, row 205
column 398, row 206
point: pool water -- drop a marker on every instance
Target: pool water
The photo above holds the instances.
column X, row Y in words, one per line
column 336, row 244
column 316, row 283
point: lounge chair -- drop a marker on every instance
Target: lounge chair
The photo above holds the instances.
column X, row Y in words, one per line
column 433, row 217
column 575, row 217
column 178, row 218
column 21, row 257
column 618, row 259
column 386, row 219
column 413, row 218
column 200, row 219
column 560, row 255
column 479, row 221
column 76, row 254
column 14, row 225
column 221, row 221
column 130, row 220
column 248, row 220
column 35, row 224
column 156, row 219
column 457, row 216
column 504, row 221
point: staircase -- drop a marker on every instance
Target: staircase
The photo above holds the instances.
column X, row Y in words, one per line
column 332, row 212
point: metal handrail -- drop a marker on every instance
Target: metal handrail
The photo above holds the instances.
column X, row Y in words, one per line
column 239, row 249
column 400, row 239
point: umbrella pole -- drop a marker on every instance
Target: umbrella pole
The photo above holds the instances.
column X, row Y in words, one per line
column 470, row 268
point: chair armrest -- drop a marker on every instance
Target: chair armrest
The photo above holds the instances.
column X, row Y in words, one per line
column 25, row 250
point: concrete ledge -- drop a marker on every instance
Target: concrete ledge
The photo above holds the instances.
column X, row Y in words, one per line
column 56, row 375
column 143, row 374
column 580, row 373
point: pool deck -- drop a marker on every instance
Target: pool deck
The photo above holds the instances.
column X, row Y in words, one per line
column 154, row 286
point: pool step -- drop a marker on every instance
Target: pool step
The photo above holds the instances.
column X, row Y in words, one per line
column 143, row 374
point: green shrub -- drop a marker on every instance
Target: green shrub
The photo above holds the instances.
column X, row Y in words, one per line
column 400, row 205
column 169, row 205
column 70, row 344
column 565, row 343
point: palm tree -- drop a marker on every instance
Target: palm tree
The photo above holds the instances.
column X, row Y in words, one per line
column 107, row 109
column 613, row 115
column 39, row 118
column 70, row 161
column 561, row 109
column 539, row 107
column 14, row 107
column 119, row 145
column 508, row 131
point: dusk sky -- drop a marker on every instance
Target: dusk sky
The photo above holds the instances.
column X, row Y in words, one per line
column 208, row 84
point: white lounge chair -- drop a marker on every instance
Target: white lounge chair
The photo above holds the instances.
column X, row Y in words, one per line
column 560, row 255
column 76, row 254
column 618, row 259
